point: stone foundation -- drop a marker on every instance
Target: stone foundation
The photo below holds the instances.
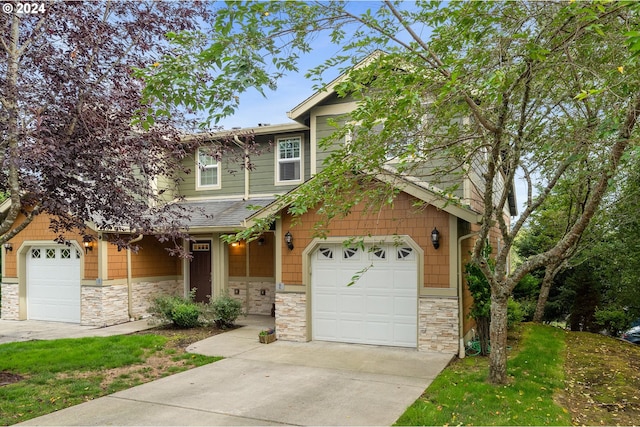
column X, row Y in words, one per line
column 108, row 305
column 250, row 295
column 10, row 301
column 438, row 325
column 143, row 294
column 291, row 316
column 103, row 305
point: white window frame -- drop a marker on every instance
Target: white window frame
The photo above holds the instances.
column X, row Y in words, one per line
column 200, row 168
column 278, row 160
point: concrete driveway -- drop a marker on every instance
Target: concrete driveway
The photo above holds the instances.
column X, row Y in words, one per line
column 316, row 383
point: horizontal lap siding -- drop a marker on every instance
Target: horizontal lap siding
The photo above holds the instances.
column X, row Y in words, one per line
column 262, row 175
column 323, row 130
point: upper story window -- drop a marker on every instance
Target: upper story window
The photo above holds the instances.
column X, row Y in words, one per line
column 289, row 154
column 207, row 171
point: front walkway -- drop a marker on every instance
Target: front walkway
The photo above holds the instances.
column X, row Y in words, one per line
column 282, row 383
column 27, row 330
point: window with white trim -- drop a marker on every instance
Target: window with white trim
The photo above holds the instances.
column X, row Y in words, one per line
column 207, row 171
column 289, row 160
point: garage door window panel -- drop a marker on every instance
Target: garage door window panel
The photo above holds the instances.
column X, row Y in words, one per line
column 378, row 254
column 351, row 254
column 405, row 254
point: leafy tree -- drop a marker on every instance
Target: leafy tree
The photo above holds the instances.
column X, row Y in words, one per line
column 70, row 146
column 607, row 250
column 484, row 88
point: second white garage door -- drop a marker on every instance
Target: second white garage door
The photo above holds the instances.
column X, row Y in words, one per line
column 53, row 284
column 380, row 308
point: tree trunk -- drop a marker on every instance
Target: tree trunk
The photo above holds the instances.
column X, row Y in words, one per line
column 483, row 324
column 547, row 281
column 498, row 329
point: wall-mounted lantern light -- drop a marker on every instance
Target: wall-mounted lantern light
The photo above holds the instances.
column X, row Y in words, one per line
column 288, row 239
column 435, row 238
column 261, row 241
column 8, row 247
column 88, row 245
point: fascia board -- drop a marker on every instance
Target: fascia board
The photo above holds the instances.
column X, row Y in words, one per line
column 418, row 190
column 256, row 130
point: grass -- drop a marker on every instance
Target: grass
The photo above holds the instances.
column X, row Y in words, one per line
column 462, row 395
column 60, row 373
column 603, row 380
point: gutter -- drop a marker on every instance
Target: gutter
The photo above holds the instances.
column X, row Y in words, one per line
column 130, row 279
column 461, row 350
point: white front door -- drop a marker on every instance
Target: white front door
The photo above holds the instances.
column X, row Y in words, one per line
column 380, row 307
column 53, row 284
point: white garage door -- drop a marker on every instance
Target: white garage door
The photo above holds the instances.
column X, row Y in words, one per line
column 379, row 308
column 53, row 284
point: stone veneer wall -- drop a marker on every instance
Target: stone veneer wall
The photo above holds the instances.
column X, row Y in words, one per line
column 143, row 294
column 107, row 305
column 249, row 296
column 291, row 316
column 10, row 301
column 438, row 325
column 103, row 305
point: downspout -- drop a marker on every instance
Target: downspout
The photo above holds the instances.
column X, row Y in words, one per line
column 461, row 351
column 129, row 279
column 246, row 165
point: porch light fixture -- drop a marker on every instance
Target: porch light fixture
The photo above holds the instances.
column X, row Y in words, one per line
column 8, row 247
column 88, row 245
column 288, row 239
column 261, row 241
column 435, row 238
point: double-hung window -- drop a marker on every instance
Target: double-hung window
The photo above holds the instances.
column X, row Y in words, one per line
column 207, row 171
column 289, row 160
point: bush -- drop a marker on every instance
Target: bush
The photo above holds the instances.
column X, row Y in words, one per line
column 180, row 311
column 185, row 315
column 614, row 320
column 223, row 311
column 528, row 307
column 514, row 313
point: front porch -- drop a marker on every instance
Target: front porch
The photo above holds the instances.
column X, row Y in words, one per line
column 243, row 270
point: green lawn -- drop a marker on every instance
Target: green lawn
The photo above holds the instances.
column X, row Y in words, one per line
column 61, row 373
column 461, row 394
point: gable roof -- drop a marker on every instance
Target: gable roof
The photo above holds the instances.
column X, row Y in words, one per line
column 300, row 112
column 410, row 185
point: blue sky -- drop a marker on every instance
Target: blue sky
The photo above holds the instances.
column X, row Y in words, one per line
column 293, row 88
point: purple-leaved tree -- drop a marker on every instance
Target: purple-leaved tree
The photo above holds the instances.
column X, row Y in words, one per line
column 70, row 144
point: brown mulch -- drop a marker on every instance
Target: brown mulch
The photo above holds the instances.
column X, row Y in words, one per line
column 183, row 338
